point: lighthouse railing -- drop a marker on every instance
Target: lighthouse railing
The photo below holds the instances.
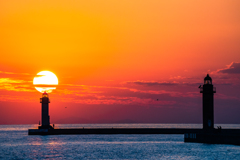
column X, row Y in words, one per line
column 214, row 89
column 201, row 89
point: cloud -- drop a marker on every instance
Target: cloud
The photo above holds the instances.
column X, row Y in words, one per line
column 2, row 72
column 179, row 77
column 15, row 85
column 8, row 80
column 233, row 68
column 155, row 83
column 152, row 83
column 108, row 95
column 110, row 100
column 16, row 98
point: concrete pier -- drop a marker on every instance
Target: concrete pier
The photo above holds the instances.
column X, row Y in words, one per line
column 113, row 131
column 229, row 137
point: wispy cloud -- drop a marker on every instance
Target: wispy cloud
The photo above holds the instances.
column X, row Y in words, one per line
column 233, row 68
column 151, row 83
column 15, row 85
column 127, row 93
column 165, row 83
column 119, row 95
column 3, row 72
column 16, row 98
column 179, row 77
column 224, row 96
column 8, row 80
column 110, row 100
column 230, row 75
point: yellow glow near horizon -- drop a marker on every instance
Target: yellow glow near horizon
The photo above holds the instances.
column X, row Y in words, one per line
column 45, row 81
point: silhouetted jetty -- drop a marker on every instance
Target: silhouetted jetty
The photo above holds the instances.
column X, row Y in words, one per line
column 113, row 131
column 225, row 136
column 208, row 134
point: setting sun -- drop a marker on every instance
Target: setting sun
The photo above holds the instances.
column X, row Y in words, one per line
column 45, row 81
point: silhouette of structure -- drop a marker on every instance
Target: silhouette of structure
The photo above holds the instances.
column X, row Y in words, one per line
column 206, row 135
column 210, row 134
column 208, row 91
column 45, row 112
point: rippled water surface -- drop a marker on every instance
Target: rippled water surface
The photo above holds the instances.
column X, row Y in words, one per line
column 16, row 144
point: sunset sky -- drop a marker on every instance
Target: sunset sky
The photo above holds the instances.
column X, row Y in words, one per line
column 115, row 58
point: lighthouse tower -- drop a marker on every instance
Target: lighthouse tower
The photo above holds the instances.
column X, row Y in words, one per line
column 207, row 91
column 45, row 112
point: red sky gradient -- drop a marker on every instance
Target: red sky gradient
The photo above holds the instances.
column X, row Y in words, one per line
column 114, row 59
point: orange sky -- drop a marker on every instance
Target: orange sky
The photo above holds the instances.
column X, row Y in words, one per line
column 112, row 57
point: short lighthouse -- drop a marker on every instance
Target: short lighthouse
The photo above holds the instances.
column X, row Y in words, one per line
column 208, row 91
column 45, row 112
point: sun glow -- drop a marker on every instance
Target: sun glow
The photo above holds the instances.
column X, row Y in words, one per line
column 45, row 81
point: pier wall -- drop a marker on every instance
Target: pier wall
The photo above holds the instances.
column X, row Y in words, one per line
column 112, row 131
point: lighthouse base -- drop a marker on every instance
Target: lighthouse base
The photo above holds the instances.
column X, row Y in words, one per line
column 225, row 137
column 45, row 127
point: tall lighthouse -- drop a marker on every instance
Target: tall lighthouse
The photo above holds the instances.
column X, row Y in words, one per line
column 208, row 91
column 45, row 112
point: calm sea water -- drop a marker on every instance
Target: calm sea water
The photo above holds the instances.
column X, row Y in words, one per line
column 16, row 144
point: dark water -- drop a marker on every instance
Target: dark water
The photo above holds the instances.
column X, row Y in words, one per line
column 16, row 144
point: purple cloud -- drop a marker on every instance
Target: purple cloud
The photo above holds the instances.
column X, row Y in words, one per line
column 233, row 68
column 151, row 83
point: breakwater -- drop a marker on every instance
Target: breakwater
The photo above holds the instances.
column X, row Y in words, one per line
column 113, row 131
column 214, row 138
column 128, row 131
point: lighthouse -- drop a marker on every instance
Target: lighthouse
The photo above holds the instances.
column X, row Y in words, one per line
column 208, row 91
column 45, row 112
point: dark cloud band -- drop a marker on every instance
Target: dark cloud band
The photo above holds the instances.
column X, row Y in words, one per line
column 233, row 68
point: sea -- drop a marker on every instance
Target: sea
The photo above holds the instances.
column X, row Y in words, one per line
column 15, row 143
